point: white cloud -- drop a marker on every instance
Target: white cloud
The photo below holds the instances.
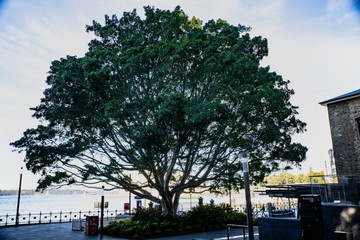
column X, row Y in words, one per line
column 337, row 5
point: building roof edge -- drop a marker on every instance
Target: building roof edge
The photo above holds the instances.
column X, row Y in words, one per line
column 343, row 97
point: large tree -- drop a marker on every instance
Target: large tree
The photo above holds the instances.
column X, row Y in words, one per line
column 166, row 98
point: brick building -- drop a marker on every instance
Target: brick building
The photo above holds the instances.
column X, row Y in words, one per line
column 344, row 117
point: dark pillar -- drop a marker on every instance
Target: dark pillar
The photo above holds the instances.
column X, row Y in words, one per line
column 102, row 214
column 18, row 201
column 248, row 199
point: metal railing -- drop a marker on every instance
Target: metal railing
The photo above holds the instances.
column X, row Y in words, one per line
column 228, row 227
column 68, row 216
column 258, row 209
column 338, row 189
column 55, row 217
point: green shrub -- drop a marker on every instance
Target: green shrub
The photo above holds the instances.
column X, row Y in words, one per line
column 236, row 218
column 120, row 228
column 148, row 215
column 209, row 217
column 255, row 222
column 150, row 223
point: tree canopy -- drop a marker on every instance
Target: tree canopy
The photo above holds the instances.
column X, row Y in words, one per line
column 167, row 98
column 289, row 178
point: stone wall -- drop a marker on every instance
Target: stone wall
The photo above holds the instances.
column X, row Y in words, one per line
column 345, row 135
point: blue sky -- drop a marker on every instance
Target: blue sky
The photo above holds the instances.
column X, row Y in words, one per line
column 314, row 44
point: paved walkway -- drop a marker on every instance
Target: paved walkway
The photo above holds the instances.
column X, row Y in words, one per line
column 63, row 231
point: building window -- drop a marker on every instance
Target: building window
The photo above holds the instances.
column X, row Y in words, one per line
column 357, row 123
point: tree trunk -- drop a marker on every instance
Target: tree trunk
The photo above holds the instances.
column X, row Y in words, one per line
column 169, row 203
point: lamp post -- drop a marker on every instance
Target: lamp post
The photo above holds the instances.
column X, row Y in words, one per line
column 18, row 200
column 190, row 199
column 129, row 198
column 228, row 180
column 102, row 213
column 247, row 197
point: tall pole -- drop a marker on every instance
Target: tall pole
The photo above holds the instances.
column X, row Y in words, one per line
column 130, row 199
column 228, row 181
column 102, row 213
column 129, row 203
column 190, row 199
column 18, row 200
column 230, row 197
column 248, row 198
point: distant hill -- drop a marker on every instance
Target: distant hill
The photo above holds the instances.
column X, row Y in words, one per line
column 50, row 191
column 15, row 192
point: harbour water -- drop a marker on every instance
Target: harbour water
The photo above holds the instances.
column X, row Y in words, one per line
column 56, row 203
column 85, row 201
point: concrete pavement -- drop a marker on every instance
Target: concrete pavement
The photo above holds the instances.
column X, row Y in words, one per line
column 63, row 231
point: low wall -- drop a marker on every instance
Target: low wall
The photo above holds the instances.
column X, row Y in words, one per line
column 279, row 228
column 336, row 217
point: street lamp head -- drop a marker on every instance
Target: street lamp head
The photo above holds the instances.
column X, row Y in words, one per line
column 245, row 162
column 244, row 155
column 245, row 166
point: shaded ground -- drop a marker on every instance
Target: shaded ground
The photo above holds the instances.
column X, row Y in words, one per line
column 64, row 231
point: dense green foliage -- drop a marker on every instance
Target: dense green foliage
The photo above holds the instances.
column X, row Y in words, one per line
column 166, row 98
column 149, row 223
column 289, row 178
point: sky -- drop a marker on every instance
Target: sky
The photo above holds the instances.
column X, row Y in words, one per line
column 314, row 44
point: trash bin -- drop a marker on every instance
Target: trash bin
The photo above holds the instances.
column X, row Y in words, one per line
column 78, row 225
column 343, row 235
column 92, row 225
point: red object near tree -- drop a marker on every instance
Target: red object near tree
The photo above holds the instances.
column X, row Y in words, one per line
column 92, row 225
column 126, row 206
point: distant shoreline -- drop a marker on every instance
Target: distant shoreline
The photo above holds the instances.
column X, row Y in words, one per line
column 13, row 192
